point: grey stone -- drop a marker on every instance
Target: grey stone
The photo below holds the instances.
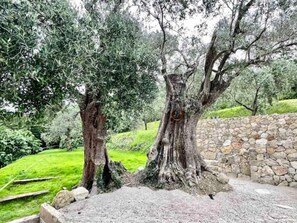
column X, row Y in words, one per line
column 288, row 178
column 291, row 171
column 293, row 184
column 294, row 165
column 62, row 199
column 271, row 162
column 267, row 171
column 80, row 193
column 279, row 155
column 284, row 183
column 295, row 177
column 292, row 157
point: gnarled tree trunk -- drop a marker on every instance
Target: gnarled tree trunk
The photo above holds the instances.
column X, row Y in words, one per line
column 98, row 171
column 174, row 160
column 94, row 133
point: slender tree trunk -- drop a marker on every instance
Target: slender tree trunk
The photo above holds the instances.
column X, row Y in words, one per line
column 145, row 123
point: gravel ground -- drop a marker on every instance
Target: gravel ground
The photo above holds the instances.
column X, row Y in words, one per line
column 249, row 202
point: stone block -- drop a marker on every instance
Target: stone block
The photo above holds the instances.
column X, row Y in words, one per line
column 280, row 170
column 80, row 193
column 291, row 171
column 49, row 214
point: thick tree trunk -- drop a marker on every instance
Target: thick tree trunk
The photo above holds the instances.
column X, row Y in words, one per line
column 94, row 133
column 174, row 160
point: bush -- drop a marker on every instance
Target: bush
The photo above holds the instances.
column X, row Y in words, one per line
column 65, row 130
column 15, row 144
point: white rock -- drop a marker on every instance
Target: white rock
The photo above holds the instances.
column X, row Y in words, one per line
column 80, row 193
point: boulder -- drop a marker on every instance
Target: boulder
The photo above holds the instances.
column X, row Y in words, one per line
column 62, row 199
column 80, row 193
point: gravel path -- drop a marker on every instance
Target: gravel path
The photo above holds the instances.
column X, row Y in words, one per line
column 249, row 202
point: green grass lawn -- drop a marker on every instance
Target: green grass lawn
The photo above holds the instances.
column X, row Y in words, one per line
column 65, row 165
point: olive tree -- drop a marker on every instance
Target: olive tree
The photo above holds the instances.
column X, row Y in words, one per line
column 98, row 59
column 197, row 72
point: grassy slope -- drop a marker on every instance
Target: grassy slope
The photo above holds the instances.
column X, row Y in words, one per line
column 66, row 165
column 281, row 107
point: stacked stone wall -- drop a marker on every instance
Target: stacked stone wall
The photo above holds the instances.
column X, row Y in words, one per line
column 261, row 147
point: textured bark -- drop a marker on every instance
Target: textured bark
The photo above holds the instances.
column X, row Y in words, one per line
column 98, row 172
column 94, row 133
column 174, row 158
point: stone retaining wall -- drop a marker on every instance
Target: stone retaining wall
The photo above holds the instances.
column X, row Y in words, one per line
column 262, row 147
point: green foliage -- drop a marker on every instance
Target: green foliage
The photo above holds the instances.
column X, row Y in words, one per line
column 274, row 81
column 65, row 129
column 15, row 144
column 137, row 140
column 65, row 165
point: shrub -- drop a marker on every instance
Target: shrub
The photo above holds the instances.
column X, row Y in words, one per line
column 65, row 130
column 15, row 144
